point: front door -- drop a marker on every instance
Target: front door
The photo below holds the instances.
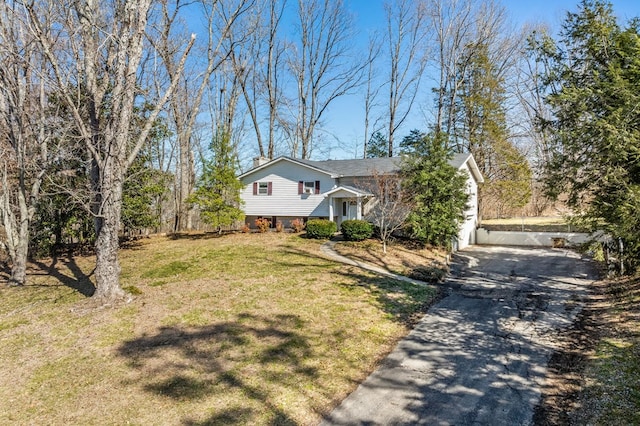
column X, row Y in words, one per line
column 349, row 210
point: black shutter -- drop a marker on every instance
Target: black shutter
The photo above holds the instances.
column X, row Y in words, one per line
column 317, row 187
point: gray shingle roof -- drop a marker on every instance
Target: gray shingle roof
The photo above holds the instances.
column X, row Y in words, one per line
column 368, row 166
column 358, row 167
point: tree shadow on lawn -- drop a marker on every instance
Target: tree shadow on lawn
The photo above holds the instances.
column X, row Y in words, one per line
column 77, row 280
column 252, row 356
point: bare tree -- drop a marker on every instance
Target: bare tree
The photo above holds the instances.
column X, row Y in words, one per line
column 322, row 64
column 390, row 207
column 452, row 23
column 483, row 101
column 529, row 91
column 407, row 38
column 257, row 58
column 96, row 61
column 24, row 133
column 184, row 106
column 372, row 91
column 464, row 30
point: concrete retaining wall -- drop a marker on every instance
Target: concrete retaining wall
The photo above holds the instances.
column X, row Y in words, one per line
column 517, row 238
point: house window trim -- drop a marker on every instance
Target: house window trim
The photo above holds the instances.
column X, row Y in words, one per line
column 262, row 189
column 308, row 187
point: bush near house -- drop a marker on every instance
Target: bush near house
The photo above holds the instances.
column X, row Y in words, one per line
column 320, row 228
column 297, row 225
column 356, row 230
column 263, row 225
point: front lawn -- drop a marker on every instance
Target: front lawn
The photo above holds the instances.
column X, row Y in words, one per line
column 241, row 329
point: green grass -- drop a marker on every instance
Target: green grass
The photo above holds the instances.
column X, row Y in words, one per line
column 615, row 381
column 244, row 329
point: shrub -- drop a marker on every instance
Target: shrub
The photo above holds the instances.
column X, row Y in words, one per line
column 263, row 224
column 279, row 226
column 297, row 225
column 245, row 229
column 320, row 228
column 356, row 230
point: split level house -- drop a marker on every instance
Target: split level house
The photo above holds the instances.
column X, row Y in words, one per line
column 285, row 189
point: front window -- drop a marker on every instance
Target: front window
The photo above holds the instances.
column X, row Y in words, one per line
column 309, row 187
column 262, row 188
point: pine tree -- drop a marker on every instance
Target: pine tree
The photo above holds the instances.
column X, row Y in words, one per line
column 143, row 189
column 485, row 134
column 218, row 191
column 412, row 142
column 436, row 190
column 595, row 156
column 377, row 146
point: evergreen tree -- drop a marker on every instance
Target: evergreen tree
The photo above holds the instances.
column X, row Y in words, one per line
column 436, row 190
column 508, row 186
column 412, row 142
column 143, row 190
column 594, row 75
column 218, row 191
column 484, row 131
column 377, row 146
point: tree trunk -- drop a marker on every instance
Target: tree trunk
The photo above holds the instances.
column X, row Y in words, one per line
column 19, row 260
column 17, row 227
column 185, row 184
column 107, row 224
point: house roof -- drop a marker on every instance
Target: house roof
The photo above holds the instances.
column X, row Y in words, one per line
column 358, row 167
column 460, row 159
column 366, row 166
column 355, row 191
column 305, row 163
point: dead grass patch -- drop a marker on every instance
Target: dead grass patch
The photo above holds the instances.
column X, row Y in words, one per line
column 242, row 329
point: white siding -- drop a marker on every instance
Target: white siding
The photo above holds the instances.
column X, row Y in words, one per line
column 467, row 233
column 284, row 199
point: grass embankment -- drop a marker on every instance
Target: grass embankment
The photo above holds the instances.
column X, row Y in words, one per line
column 611, row 392
column 243, row 329
column 402, row 257
column 594, row 378
column 530, row 224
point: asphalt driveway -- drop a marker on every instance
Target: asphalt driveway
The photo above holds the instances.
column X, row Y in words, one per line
column 479, row 356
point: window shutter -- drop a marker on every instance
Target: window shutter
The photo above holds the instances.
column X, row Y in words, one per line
column 269, row 188
column 300, row 187
column 255, row 188
column 317, row 187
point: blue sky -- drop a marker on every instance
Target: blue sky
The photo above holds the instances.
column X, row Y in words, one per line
column 345, row 118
